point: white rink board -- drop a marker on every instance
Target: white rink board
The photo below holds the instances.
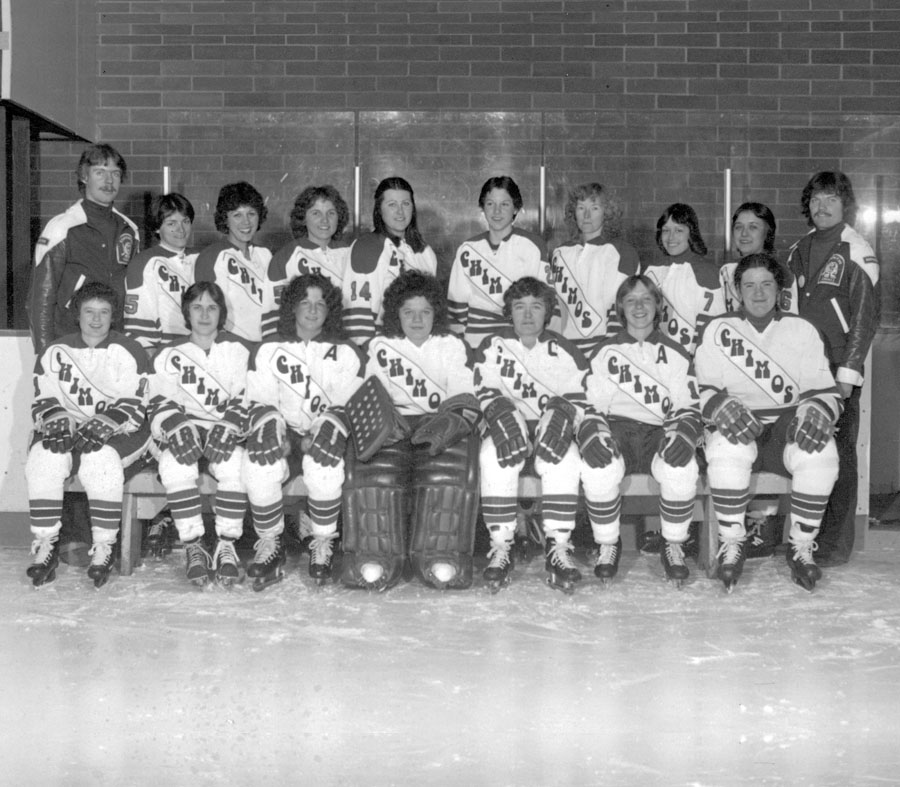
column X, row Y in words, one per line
column 16, row 394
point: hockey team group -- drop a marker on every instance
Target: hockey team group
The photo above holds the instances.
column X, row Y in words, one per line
column 410, row 404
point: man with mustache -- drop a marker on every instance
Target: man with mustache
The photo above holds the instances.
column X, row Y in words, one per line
column 837, row 278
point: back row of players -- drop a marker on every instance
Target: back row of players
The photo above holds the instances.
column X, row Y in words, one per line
column 460, row 420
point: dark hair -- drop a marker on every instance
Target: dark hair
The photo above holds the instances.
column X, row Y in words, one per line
column 232, row 197
column 413, row 284
column 630, row 284
column 412, row 235
column 522, row 288
column 763, row 213
column 682, row 214
column 307, row 198
column 195, row 291
column 98, row 153
column 831, row 183
column 506, row 183
column 760, row 260
column 167, row 205
column 94, row 290
column 296, row 291
column 612, row 210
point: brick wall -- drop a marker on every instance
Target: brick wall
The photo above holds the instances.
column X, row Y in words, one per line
column 653, row 97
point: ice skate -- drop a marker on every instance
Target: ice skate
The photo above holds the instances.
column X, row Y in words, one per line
column 321, row 555
column 561, row 567
column 731, row 561
column 101, row 562
column 804, row 570
column 500, row 564
column 442, row 574
column 226, row 563
column 373, row 576
column 198, row 562
column 607, row 565
column 672, row 558
column 267, row 567
column 158, row 541
column 46, row 559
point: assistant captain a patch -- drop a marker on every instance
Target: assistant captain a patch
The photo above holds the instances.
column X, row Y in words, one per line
column 833, row 271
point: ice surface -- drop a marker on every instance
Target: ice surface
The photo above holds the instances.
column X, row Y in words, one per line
column 151, row 681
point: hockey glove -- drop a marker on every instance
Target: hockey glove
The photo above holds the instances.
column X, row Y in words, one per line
column 94, row 434
column 182, row 439
column 329, row 442
column 596, row 443
column 265, row 445
column 677, row 449
column 454, row 419
column 556, row 430
column 507, row 428
column 220, row 443
column 57, row 437
column 736, row 422
column 811, row 428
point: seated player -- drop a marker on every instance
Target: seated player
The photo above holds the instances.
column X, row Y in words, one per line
column 297, row 386
column 425, row 370
column 237, row 265
column 89, row 419
column 643, row 417
column 198, row 417
column 157, row 277
column 771, row 403
column 529, row 383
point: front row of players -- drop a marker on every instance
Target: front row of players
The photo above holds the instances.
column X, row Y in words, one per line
column 406, row 438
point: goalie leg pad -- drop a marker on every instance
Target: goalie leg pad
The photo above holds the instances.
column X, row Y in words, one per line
column 445, row 509
column 376, row 510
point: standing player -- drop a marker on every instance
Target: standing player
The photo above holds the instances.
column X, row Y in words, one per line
column 425, row 370
column 588, row 270
column 159, row 276
column 318, row 221
column 837, row 275
column 89, row 408
column 529, row 383
column 197, row 412
column 297, row 386
column 643, row 416
column 689, row 283
column 377, row 259
column 238, row 266
column 771, row 404
column 487, row 264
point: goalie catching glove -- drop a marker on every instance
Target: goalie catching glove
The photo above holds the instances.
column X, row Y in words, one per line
column 556, row 430
column 57, row 434
column 330, row 441
column 736, row 422
column 508, row 431
column 596, row 443
column 455, row 418
column 811, row 428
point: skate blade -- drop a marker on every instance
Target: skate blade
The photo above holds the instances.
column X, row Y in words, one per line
column 99, row 582
column 227, row 582
column 729, row 587
column 44, row 580
column 261, row 583
column 806, row 584
column 565, row 587
column 200, row 582
column 678, row 584
column 495, row 587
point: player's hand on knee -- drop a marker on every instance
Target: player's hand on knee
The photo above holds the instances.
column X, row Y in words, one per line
column 265, row 445
column 220, row 444
column 677, row 449
column 595, row 442
column 736, row 422
column 184, row 444
column 507, row 431
column 811, row 428
column 94, row 433
column 328, row 444
column 57, row 436
column 556, row 430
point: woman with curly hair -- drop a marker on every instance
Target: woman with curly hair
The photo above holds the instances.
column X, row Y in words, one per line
column 425, row 370
column 297, row 386
column 238, row 266
column 587, row 271
column 486, row 264
column 377, row 259
column 688, row 281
